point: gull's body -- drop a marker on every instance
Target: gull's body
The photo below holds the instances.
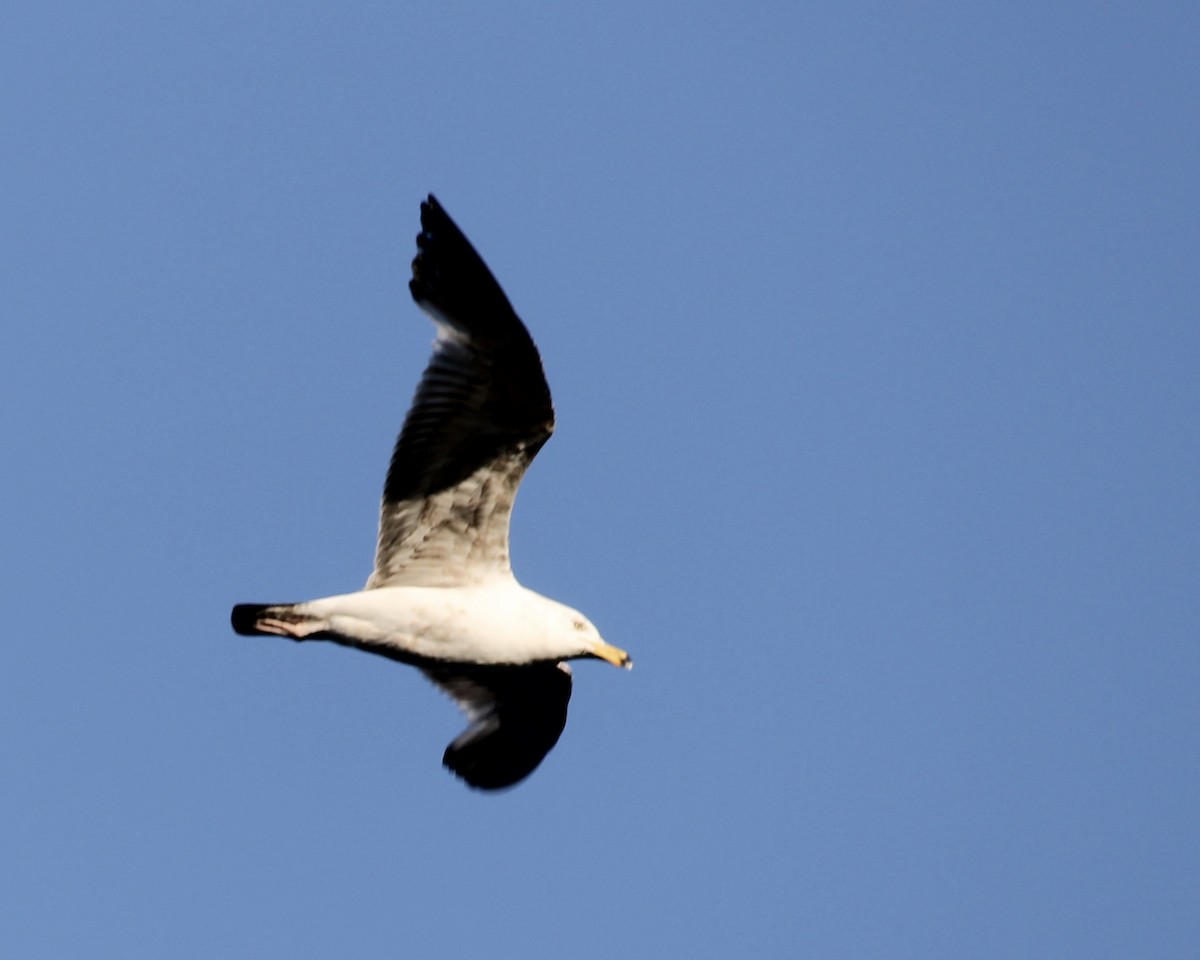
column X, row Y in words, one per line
column 442, row 596
column 494, row 623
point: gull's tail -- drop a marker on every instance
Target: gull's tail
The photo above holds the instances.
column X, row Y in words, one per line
column 274, row 619
column 245, row 618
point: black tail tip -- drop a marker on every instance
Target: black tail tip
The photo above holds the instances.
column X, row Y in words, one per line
column 245, row 618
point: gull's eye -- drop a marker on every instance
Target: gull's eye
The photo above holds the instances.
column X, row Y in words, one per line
column 578, row 624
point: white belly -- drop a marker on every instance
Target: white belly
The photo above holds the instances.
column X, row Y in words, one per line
column 497, row 622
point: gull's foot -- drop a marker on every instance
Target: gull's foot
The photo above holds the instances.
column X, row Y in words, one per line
column 293, row 629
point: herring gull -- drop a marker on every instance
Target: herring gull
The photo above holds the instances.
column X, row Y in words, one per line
column 442, row 596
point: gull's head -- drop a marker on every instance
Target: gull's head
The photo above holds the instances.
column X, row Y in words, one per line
column 593, row 645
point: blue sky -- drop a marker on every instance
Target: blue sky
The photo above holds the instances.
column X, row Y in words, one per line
column 873, row 336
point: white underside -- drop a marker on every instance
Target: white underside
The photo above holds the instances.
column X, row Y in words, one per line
column 497, row 621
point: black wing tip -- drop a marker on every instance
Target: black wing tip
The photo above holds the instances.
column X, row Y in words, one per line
column 440, row 244
column 481, row 772
column 502, row 753
column 518, row 729
column 431, row 206
column 435, row 222
column 451, row 280
column 489, row 766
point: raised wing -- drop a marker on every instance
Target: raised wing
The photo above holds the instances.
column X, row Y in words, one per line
column 481, row 413
column 516, row 713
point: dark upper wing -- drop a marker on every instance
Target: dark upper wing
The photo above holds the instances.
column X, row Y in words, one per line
column 517, row 714
column 481, row 413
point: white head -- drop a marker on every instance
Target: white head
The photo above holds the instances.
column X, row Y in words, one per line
column 592, row 644
column 570, row 634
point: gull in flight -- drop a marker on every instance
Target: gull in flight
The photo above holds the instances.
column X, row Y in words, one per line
column 442, row 596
